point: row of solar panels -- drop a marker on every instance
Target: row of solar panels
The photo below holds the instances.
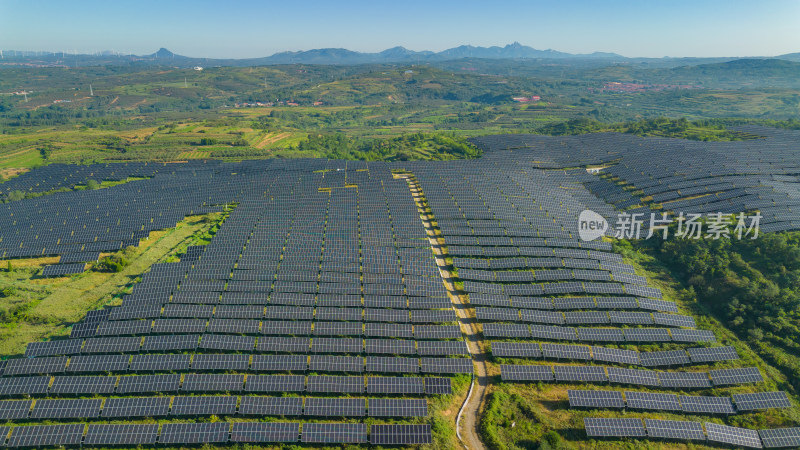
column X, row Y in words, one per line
column 91, row 385
column 260, row 363
column 544, row 275
column 639, row 377
column 699, row 355
column 692, row 431
column 212, row 433
column 551, row 332
column 319, row 313
column 492, row 314
column 300, row 345
column 569, row 303
column 223, row 405
column 267, row 328
column 568, row 287
column 691, row 404
column 226, row 299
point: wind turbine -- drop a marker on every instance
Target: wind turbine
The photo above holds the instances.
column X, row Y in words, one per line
column 91, row 92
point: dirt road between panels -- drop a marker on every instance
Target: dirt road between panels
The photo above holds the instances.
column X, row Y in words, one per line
column 468, row 417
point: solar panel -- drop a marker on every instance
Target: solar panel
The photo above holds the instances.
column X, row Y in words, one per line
column 121, row 434
column 685, row 380
column 595, row 399
column 526, row 373
column 395, row 385
column 652, row 401
column 260, row 432
column 334, row 433
column 66, row 409
column 602, row 427
column 436, row 348
column 337, row 345
column 647, row 335
column 495, row 330
column 100, row 363
column 706, row 405
column 726, row 377
column 633, row 376
column 733, row 435
column 516, row 350
column 194, row 382
column 279, row 363
column 324, row 363
column 580, row 373
column 675, row 429
column 761, row 400
column 14, row 409
column 664, row 358
column 203, row 405
column 26, row 385
column 437, row 331
column 563, row 351
column 220, row 362
column 83, row 385
column 148, row 383
column 400, row 434
column 194, row 433
column 550, row 332
column 600, row 334
column 446, row 365
column 780, row 437
column 46, row 435
column 275, row 383
column 389, row 407
column 392, row 364
column 136, row 407
column 615, row 355
column 271, row 406
column 335, row 384
column 438, row 386
column 712, row 354
column 335, row 407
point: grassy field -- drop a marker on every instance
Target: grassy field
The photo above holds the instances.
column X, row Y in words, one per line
column 41, row 308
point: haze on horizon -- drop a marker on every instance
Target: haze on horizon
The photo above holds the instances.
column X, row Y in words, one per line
column 249, row 29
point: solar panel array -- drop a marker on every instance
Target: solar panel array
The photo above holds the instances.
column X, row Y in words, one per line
column 315, row 270
column 710, row 432
column 680, row 403
column 321, row 283
column 604, row 354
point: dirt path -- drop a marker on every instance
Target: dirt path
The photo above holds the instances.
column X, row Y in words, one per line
column 467, row 422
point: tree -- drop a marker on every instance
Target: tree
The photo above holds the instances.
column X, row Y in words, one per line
column 92, row 184
column 14, row 196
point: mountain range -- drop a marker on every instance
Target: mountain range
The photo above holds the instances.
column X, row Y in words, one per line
column 515, row 51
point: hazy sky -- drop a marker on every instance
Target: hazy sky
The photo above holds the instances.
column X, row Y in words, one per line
column 238, row 29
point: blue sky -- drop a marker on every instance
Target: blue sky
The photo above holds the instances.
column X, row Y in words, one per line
column 239, row 29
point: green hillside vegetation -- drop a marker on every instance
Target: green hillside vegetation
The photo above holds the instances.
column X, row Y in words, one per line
column 752, row 285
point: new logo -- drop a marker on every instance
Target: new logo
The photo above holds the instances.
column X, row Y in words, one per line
column 591, row 225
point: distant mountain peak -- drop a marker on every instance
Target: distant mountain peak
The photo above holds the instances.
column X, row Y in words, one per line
column 163, row 53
